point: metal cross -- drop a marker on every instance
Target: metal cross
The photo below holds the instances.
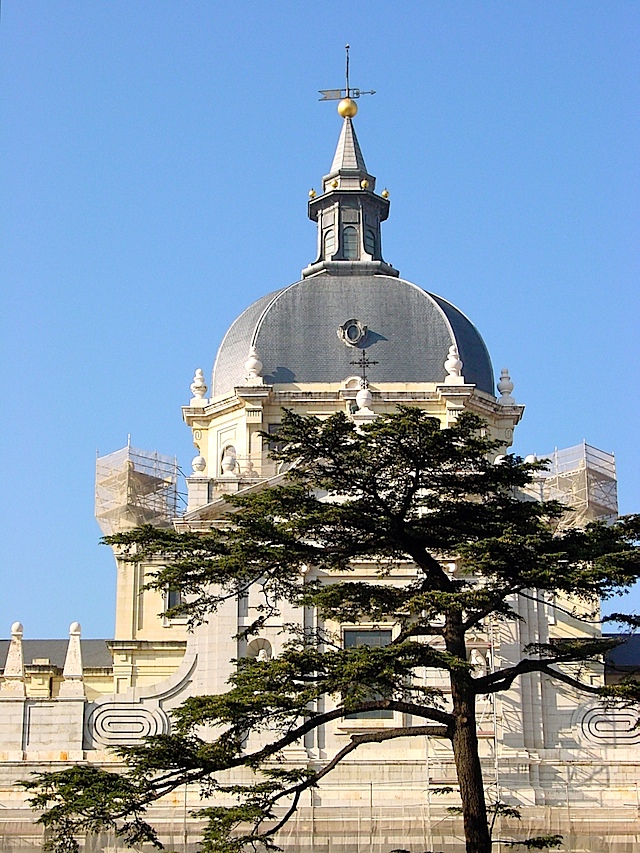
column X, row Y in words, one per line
column 348, row 92
column 363, row 362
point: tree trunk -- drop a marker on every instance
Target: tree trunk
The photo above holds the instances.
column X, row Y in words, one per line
column 465, row 744
column 465, row 753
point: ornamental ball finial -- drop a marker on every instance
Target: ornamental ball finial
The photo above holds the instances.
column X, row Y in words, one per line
column 312, row 193
column 347, row 108
column 385, row 193
column 364, row 183
column 253, row 366
column 198, row 386
column 505, row 387
column 198, row 463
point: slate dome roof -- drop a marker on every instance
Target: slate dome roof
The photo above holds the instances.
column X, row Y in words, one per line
column 295, row 332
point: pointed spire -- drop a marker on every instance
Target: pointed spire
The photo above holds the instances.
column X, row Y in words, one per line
column 73, row 687
column 348, row 169
column 348, row 152
column 14, row 674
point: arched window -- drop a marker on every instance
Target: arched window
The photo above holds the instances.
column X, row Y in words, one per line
column 329, row 243
column 350, row 243
column 370, row 241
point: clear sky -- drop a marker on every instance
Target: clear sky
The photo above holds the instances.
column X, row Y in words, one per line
column 156, row 161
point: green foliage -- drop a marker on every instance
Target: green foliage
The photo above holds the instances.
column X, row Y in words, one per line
column 399, row 491
column 536, row 842
column 539, row 842
column 626, row 692
column 504, row 810
column 88, row 799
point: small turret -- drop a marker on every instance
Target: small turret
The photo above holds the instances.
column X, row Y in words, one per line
column 348, row 211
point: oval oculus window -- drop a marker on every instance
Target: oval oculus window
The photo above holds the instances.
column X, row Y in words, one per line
column 352, row 332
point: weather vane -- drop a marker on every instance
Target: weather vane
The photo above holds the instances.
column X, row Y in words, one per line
column 347, row 93
column 363, row 362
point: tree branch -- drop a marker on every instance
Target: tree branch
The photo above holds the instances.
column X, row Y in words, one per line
column 560, row 609
column 356, row 741
column 179, row 776
column 418, row 631
column 496, row 682
column 499, row 597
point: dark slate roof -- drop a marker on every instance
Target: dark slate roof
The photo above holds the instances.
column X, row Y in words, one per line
column 295, row 333
column 95, row 653
column 626, row 656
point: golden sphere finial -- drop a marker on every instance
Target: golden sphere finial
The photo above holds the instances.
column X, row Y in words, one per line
column 312, row 193
column 385, row 193
column 347, row 108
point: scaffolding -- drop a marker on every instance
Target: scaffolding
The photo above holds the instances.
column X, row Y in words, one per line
column 583, row 478
column 135, row 487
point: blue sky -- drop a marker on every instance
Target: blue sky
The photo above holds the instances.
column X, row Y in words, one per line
column 156, row 160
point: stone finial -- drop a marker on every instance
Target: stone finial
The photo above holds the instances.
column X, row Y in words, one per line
column 453, row 366
column 14, row 681
column 229, row 462
column 505, row 387
column 198, row 463
column 72, row 686
column 198, row 389
column 364, row 398
column 253, row 368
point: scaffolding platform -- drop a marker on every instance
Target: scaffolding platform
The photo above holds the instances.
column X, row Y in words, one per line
column 583, row 478
column 135, row 487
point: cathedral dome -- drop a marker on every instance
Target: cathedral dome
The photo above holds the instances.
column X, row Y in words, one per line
column 297, row 334
column 350, row 299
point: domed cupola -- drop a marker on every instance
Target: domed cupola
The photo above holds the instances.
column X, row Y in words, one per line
column 350, row 335
column 296, row 330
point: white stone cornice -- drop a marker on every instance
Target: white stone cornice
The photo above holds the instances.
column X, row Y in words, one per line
column 193, row 414
column 252, row 393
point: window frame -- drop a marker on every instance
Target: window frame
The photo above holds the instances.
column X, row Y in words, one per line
column 329, row 251
column 367, row 719
column 172, row 620
column 355, row 246
column 370, row 236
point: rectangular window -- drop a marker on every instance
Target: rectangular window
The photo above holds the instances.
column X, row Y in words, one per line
column 375, row 639
column 272, row 444
column 174, row 598
column 363, row 637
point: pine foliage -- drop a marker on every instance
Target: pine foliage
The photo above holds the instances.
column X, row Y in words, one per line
column 399, row 491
